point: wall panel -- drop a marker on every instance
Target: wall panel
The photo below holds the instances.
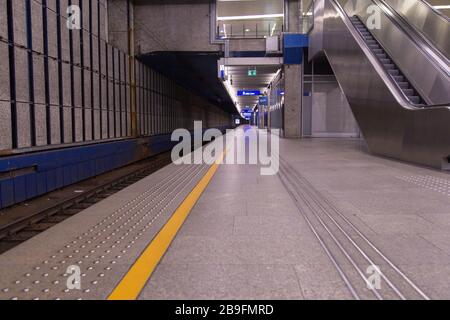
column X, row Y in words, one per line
column 4, row 72
column 5, row 123
column 81, row 90
column 3, row 20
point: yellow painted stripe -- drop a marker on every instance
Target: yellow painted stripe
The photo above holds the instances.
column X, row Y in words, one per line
column 134, row 281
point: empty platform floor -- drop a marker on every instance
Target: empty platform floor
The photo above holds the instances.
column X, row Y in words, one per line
column 311, row 232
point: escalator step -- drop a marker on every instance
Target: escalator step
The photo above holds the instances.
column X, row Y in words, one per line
column 403, row 85
column 394, row 72
column 371, row 42
column 390, row 66
column 378, row 51
column 382, row 56
column 399, row 79
column 414, row 99
column 385, row 61
column 409, row 92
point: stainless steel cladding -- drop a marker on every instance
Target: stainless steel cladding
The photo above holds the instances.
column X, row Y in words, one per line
column 391, row 125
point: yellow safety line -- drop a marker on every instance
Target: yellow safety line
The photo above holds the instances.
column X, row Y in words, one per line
column 134, row 281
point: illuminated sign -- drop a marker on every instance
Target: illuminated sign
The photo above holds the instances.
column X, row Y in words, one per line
column 248, row 93
column 263, row 101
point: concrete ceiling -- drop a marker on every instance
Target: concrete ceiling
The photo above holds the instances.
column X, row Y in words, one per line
column 195, row 71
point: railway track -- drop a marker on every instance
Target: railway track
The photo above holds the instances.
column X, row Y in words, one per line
column 354, row 256
column 20, row 230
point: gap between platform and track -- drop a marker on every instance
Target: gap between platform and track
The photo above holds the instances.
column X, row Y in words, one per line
column 132, row 284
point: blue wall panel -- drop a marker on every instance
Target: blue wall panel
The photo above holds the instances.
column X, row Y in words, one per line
column 20, row 189
column 7, row 192
column 31, row 186
column 293, row 47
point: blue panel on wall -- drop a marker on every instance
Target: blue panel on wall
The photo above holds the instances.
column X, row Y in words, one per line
column 7, row 192
column 31, row 186
column 41, row 182
column 293, row 47
column 20, row 189
column 59, row 178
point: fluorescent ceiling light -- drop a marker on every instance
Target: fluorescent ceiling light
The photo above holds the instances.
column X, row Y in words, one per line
column 442, row 7
column 253, row 17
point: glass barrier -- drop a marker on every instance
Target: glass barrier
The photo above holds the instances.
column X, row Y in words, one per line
column 250, row 29
column 249, row 18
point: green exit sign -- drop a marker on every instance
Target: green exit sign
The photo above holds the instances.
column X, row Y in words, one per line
column 252, row 73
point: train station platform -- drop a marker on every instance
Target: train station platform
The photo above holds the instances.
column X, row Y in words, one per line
column 332, row 218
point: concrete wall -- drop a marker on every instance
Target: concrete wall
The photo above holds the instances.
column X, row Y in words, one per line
column 181, row 26
column 74, row 86
column 118, row 23
column 293, row 101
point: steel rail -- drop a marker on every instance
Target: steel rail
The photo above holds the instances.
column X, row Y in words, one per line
column 367, row 258
column 321, row 241
column 314, row 193
column 335, row 240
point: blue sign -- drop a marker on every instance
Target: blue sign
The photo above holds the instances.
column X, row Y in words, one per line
column 248, row 93
column 263, row 101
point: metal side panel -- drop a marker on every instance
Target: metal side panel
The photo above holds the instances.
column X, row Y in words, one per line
column 431, row 23
column 391, row 126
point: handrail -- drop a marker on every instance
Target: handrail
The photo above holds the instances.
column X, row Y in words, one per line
column 409, row 28
column 425, row 46
column 440, row 14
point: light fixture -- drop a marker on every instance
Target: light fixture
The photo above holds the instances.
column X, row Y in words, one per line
column 441, row 7
column 252, row 17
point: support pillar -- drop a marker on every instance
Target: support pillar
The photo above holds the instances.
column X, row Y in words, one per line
column 293, row 101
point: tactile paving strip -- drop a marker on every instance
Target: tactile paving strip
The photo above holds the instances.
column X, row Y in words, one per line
column 429, row 182
column 106, row 245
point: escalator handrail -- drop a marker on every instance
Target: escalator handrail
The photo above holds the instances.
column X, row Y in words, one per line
column 440, row 59
column 440, row 14
column 398, row 94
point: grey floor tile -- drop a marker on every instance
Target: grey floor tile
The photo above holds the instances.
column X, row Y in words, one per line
column 218, row 281
column 398, row 224
column 270, row 225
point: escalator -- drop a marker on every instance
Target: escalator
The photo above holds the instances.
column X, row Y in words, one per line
column 394, row 71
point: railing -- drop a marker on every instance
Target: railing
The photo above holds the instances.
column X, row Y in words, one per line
column 250, row 29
